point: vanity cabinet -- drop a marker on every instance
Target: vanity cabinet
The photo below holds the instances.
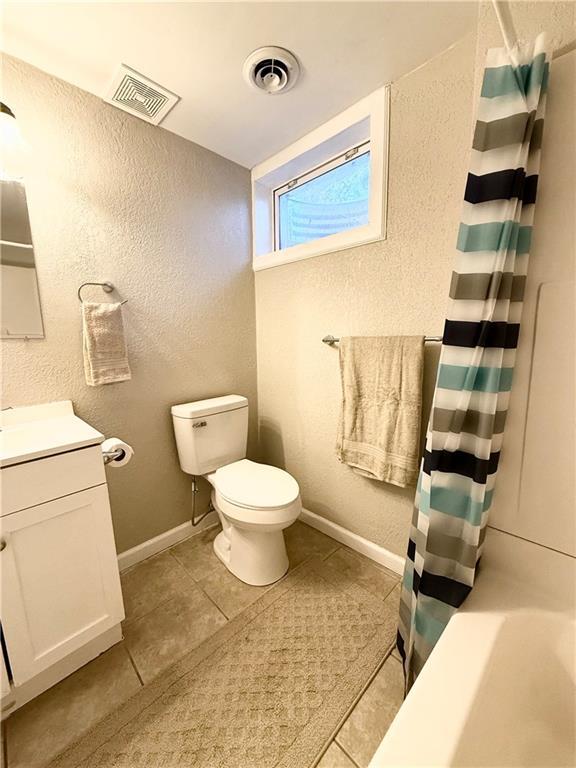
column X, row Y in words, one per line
column 61, row 597
column 60, row 585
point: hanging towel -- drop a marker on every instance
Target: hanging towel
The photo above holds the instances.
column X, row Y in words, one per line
column 379, row 432
column 105, row 355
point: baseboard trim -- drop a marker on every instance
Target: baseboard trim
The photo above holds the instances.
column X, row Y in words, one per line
column 164, row 540
column 358, row 543
column 375, row 552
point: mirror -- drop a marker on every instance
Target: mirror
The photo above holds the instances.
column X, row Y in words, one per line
column 21, row 316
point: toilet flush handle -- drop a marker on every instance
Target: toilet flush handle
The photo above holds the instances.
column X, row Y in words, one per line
column 199, row 424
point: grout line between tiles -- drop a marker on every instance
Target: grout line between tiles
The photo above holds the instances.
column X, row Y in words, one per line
column 331, row 554
column 187, row 577
column 356, row 701
column 220, row 610
column 138, row 675
column 181, row 564
column 128, row 622
column 348, row 755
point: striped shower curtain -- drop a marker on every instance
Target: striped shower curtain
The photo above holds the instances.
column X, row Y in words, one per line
column 466, row 425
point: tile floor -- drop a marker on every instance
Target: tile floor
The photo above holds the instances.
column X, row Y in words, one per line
column 173, row 602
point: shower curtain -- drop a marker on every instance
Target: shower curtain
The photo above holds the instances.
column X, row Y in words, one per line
column 464, row 436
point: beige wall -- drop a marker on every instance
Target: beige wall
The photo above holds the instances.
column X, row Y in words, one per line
column 399, row 286
column 111, row 197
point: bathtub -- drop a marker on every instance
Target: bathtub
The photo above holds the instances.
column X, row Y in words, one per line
column 499, row 689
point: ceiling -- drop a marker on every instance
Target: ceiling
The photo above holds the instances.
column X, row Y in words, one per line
column 196, row 49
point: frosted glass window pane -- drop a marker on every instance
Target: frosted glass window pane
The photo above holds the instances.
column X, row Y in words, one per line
column 332, row 202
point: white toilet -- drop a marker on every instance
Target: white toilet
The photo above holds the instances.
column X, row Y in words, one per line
column 255, row 502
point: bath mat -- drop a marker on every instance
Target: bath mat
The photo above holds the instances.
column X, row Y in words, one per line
column 268, row 690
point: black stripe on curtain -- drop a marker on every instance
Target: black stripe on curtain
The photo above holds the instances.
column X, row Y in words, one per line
column 461, row 463
column 530, row 190
column 501, row 185
column 461, row 333
column 441, row 588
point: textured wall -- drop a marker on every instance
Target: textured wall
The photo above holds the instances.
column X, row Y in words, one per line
column 399, row 286
column 111, row 197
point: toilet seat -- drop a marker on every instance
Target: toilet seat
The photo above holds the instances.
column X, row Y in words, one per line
column 254, row 495
column 251, row 485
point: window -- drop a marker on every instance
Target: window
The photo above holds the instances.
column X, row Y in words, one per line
column 327, row 200
column 327, row 191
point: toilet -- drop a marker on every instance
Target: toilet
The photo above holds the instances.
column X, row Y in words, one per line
column 254, row 502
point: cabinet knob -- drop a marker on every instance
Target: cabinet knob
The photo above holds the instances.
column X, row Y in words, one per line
column 2, row 545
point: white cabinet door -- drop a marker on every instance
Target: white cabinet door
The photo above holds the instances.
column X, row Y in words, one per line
column 60, row 582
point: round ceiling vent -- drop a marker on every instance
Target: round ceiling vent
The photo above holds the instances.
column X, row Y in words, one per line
column 271, row 69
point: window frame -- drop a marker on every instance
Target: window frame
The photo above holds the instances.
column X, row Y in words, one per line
column 366, row 122
column 329, row 165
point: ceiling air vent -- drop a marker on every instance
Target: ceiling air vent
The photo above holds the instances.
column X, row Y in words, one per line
column 140, row 96
column 271, row 69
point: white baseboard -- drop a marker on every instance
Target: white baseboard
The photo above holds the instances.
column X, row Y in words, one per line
column 167, row 539
column 374, row 551
column 163, row 541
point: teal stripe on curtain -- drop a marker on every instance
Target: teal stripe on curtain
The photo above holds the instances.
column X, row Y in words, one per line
column 475, row 379
column 453, row 502
column 494, row 236
column 456, row 483
column 501, row 81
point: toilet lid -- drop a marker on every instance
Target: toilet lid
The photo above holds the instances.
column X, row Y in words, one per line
column 260, row 486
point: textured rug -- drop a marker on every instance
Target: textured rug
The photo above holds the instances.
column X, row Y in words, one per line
column 268, row 690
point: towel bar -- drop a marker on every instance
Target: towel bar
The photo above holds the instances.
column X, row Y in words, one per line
column 333, row 340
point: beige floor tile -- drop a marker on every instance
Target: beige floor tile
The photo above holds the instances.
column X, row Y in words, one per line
column 45, row 726
column 371, row 717
column 196, row 554
column 151, row 583
column 170, row 630
column 229, row 593
column 303, row 542
column 377, row 580
column 334, row 757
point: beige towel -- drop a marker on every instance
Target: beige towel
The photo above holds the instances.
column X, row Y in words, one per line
column 379, row 432
column 105, row 355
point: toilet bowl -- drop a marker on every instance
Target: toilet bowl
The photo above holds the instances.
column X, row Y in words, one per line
column 254, row 501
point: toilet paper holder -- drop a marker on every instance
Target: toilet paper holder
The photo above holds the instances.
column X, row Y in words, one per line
column 109, row 456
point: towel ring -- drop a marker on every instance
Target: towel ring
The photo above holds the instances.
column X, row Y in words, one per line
column 106, row 286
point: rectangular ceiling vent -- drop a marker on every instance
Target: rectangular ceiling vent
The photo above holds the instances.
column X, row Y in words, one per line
column 140, row 96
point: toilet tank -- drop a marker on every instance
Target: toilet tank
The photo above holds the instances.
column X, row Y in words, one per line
column 210, row 433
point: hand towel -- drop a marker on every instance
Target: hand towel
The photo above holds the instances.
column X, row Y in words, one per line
column 379, row 432
column 105, row 354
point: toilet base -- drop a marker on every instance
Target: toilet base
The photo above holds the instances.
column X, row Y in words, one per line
column 254, row 557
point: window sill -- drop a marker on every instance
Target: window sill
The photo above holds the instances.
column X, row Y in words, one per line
column 339, row 242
